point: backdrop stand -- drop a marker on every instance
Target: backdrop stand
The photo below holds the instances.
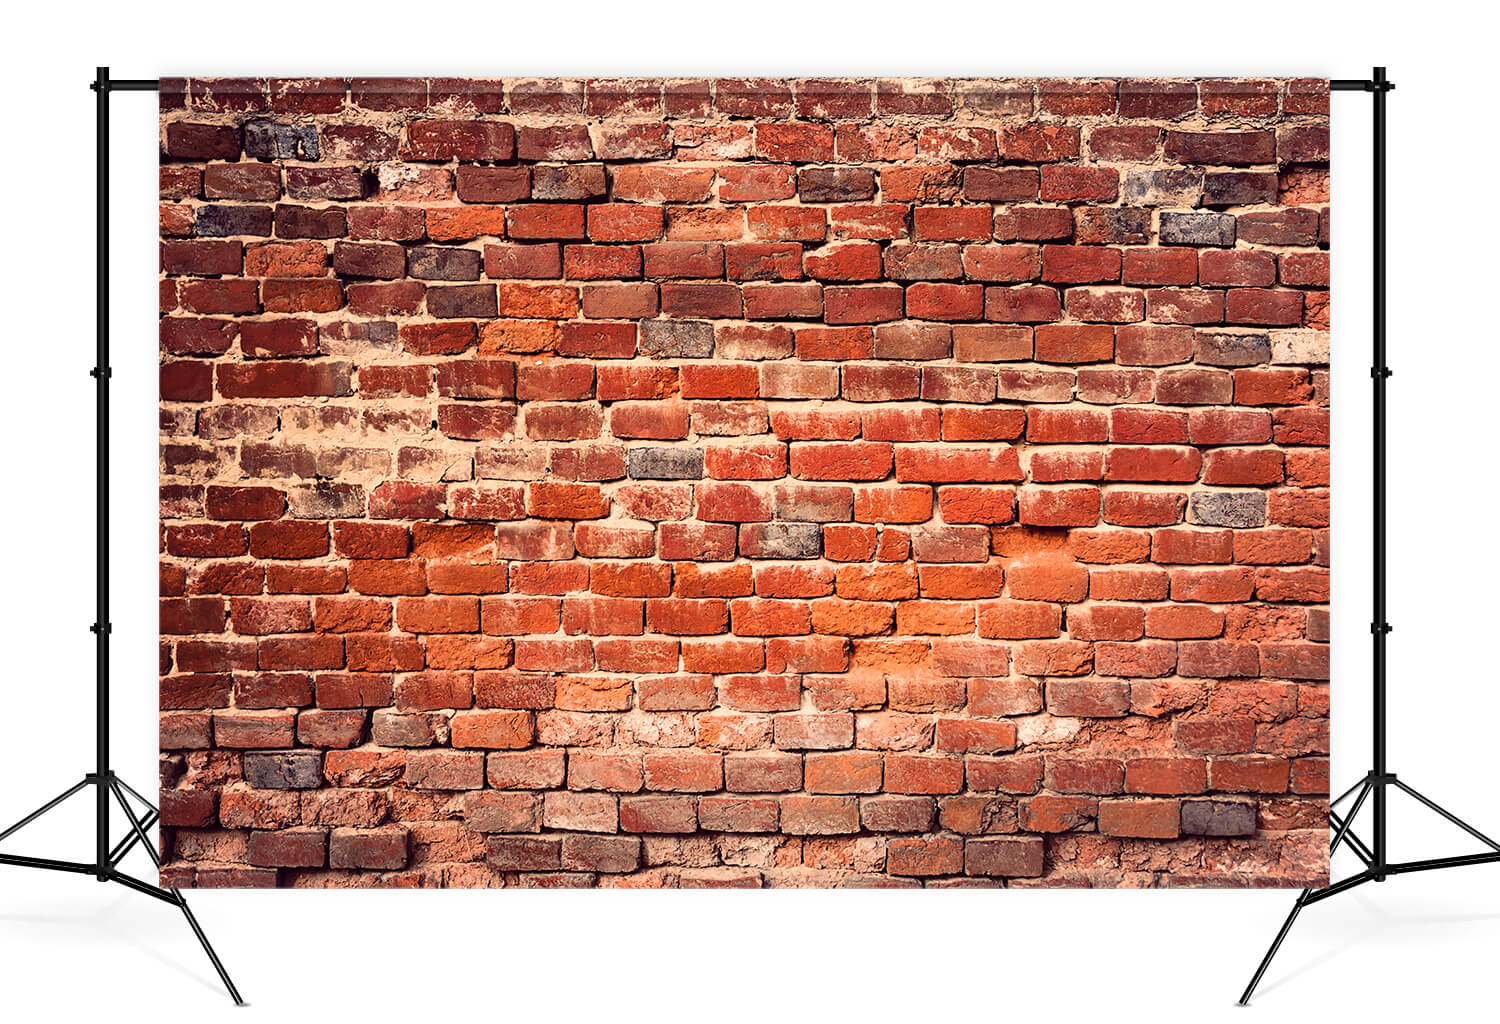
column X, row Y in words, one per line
column 105, row 866
column 1378, row 781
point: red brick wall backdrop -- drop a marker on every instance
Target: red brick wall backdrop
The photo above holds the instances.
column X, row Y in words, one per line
column 583, row 482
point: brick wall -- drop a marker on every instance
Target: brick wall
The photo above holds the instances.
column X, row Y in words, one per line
column 817, row 482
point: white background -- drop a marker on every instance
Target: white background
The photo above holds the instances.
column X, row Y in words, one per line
column 1419, row 944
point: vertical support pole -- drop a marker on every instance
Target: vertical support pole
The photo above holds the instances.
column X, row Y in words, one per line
column 102, row 866
column 1379, row 373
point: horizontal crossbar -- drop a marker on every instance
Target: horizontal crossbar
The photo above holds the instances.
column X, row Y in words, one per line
column 1335, row 84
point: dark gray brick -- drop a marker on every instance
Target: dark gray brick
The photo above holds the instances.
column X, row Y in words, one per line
column 665, row 463
column 442, row 263
column 1240, row 188
column 1197, row 229
column 462, row 301
column 1173, row 187
column 1218, row 818
column 284, row 769
column 835, row 184
column 326, row 500
column 1231, row 348
column 1112, row 225
column 781, row 540
column 1228, row 508
column 272, row 140
column 218, row 221
column 677, row 339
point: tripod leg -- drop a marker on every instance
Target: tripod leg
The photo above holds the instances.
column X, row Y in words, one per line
column 127, row 843
column 181, row 902
column 127, row 788
column 1286, row 927
column 1340, row 837
column 1349, row 792
column 192, row 921
column 41, row 810
column 1486, row 840
column 1356, row 844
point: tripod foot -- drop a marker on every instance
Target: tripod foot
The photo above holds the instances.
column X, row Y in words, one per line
column 208, row 948
column 172, row 895
column 1286, row 927
column 107, row 870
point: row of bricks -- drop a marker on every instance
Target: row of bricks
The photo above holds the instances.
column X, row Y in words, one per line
column 293, row 429
column 806, row 538
column 579, row 718
column 903, row 503
column 625, row 222
column 770, row 372
column 189, row 380
column 793, row 532
column 418, row 709
column 768, row 498
column 758, row 461
column 906, row 596
column 491, row 141
column 749, row 712
column 958, row 763
column 453, row 687
column 561, row 498
column 441, row 549
column 539, row 540
column 750, row 182
column 890, row 221
column 1286, row 767
column 533, row 650
column 946, row 605
column 805, row 506
column 808, row 460
column 1030, row 613
column 1024, row 616
column 856, row 261
column 694, row 302
column 496, row 374
column 1050, row 581
column 809, row 98
column 721, row 399
column 573, row 707
column 546, row 684
column 904, row 712
column 558, row 191
column 764, row 433
column 386, row 847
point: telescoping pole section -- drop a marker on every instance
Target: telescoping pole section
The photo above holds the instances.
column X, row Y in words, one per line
column 103, row 86
column 1378, row 85
column 141, row 815
column 1379, row 780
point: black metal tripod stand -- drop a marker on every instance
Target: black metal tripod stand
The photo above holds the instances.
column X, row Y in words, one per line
column 1375, row 787
column 105, row 866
